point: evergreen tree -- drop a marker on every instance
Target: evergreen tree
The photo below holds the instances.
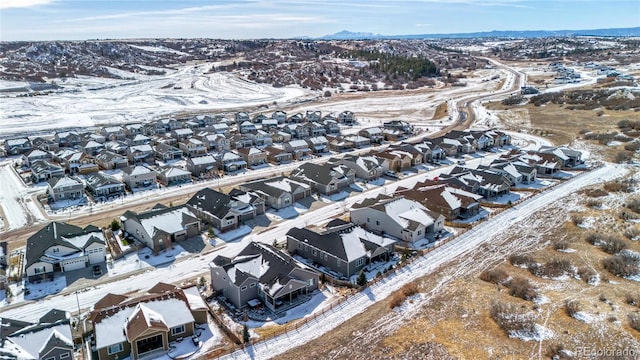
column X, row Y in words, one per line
column 245, row 334
column 362, row 279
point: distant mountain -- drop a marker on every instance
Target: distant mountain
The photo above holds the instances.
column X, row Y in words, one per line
column 349, row 35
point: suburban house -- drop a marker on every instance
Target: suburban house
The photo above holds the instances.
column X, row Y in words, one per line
column 60, row 247
column 374, row 134
column 181, row 134
column 42, row 143
column 326, row 179
column 139, row 177
column 203, row 166
column 229, row 161
column 42, row 170
column 260, row 138
column 490, row 183
column 76, row 162
column 141, row 153
column 253, row 156
column 318, row 144
column 278, row 192
column 35, row 154
column 160, row 227
column 402, row 218
column 347, row 118
column 170, row 176
column 49, row 339
column 67, row 138
column 278, row 155
column 118, row 147
column 144, row 326
column 216, row 142
column 65, row 188
column 222, row 211
column 566, row 157
column 299, row 148
column 192, row 147
column 103, row 187
column 249, row 197
column 365, row 167
column 342, row 247
column 166, row 152
column 17, row 146
column 279, row 116
column 92, row 147
column 138, row 139
column 313, row 115
column 451, row 202
column 506, row 169
column 264, row 273
column 108, row 160
column 114, row 133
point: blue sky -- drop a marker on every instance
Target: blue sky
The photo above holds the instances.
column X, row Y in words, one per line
column 241, row 19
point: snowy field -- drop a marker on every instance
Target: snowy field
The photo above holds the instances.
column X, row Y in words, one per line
column 87, row 101
column 18, row 207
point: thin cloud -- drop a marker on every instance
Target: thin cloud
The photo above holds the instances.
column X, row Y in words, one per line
column 6, row 4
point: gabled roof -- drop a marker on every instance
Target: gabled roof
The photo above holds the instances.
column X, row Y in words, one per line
column 98, row 180
column 321, row 174
column 32, row 340
column 142, row 319
column 276, row 186
column 407, row 213
column 63, row 234
column 109, row 300
column 167, row 220
column 268, row 265
column 65, row 181
column 53, row 316
column 137, row 170
column 212, row 202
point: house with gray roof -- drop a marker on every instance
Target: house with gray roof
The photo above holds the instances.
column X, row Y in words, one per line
column 65, row 188
column 109, row 160
column 229, row 162
column 365, row 167
column 202, row 166
column 103, row 187
column 160, row 227
column 404, row 219
column 278, row 192
column 222, row 211
column 43, row 170
column 35, row 154
column 171, row 176
column 138, row 177
column 60, row 247
column 166, row 152
column 342, row 247
column 47, row 339
column 325, row 178
column 262, row 272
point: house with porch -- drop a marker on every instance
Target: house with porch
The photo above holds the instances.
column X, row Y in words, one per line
column 278, row 155
column 161, row 227
column 374, row 134
column 59, row 247
column 365, row 167
column 141, row 154
column 17, row 146
column 452, row 203
column 192, row 147
column 166, row 152
column 264, row 273
column 43, row 170
column 298, row 148
column 172, row 176
column 230, row 162
column 203, row 166
column 35, row 154
column 405, row 219
column 342, row 247
column 108, row 160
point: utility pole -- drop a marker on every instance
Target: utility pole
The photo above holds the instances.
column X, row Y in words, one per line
column 84, row 354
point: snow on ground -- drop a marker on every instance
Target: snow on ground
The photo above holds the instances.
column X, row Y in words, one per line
column 320, row 300
column 17, row 205
column 584, row 317
column 209, row 337
column 288, row 212
column 143, row 259
column 538, row 334
column 424, row 265
column 231, row 235
column 40, row 290
column 140, row 99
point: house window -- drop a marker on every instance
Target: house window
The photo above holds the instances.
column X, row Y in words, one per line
column 56, row 250
column 229, row 222
column 39, row 270
column 177, row 330
column 360, row 262
column 368, row 220
column 310, row 282
column 419, row 232
column 338, row 262
column 243, row 288
column 114, row 349
column 314, row 252
column 377, row 222
column 252, row 285
column 64, row 355
column 51, row 358
column 300, row 245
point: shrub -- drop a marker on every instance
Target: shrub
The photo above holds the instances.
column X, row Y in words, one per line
column 622, row 157
column 559, row 352
column 597, row 193
column 618, row 186
column 396, row 300
column 572, row 307
column 632, row 146
column 592, row 203
column 553, row 269
column 521, row 260
column 593, row 238
column 560, row 245
column 577, row 219
column 631, row 233
column 510, row 318
column 632, row 299
column 613, row 245
column 588, row 275
column 115, row 225
column 634, row 321
column 409, row 289
column 495, row 276
column 624, row 264
column 634, row 205
column 362, row 279
column 522, row 288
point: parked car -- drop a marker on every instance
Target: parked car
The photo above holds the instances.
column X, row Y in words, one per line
column 97, row 271
column 391, row 174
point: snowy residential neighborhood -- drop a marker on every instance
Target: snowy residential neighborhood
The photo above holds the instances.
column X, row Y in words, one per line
column 186, row 208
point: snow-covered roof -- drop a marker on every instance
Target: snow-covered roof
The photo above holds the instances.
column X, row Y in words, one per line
column 142, row 148
column 173, row 312
column 203, row 160
column 66, row 181
column 403, row 210
column 168, row 221
column 30, row 344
